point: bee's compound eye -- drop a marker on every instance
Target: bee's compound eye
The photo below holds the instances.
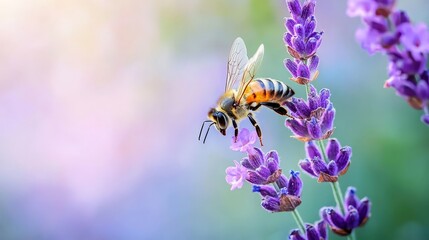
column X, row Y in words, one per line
column 221, row 120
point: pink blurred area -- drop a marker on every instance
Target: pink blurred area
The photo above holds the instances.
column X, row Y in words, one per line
column 85, row 109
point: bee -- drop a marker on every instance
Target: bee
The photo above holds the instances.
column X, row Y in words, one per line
column 237, row 104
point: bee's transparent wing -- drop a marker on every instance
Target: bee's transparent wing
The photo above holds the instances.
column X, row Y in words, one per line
column 250, row 71
column 236, row 63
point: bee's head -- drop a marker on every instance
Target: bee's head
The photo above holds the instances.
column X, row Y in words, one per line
column 217, row 118
column 220, row 119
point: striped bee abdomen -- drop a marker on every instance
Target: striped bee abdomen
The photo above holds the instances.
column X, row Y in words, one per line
column 267, row 90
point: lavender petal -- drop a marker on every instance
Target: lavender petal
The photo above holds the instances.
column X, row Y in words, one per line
column 306, row 167
column 311, row 233
column 336, row 219
column 303, row 70
column 352, row 218
column 343, row 158
column 289, row 24
column 333, row 148
column 312, row 150
column 313, row 63
column 318, row 166
column 282, row 182
column 332, row 168
column 296, row 127
column 265, row 190
column 364, row 210
column 321, row 229
column 294, row 7
column 314, row 129
column 271, row 204
column 295, row 184
column 296, row 235
column 350, row 198
column 292, row 67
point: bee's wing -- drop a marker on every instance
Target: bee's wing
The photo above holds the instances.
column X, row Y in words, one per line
column 250, row 71
column 236, row 62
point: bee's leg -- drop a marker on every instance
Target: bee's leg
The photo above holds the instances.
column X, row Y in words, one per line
column 255, row 124
column 234, row 124
column 255, row 107
column 276, row 107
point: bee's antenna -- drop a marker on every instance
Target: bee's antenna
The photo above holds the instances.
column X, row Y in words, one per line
column 201, row 130
column 208, row 129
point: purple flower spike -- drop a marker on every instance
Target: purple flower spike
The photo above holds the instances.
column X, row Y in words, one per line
column 354, row 217
column 404, row 43
column 313, row 232
column 314, row 118
column 244, row 141
column 302, row 41
column 338, row 157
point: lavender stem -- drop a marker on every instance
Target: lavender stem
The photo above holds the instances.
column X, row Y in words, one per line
column 295, row 213
column 336, row 189
column 307, row 88
column 298, row 220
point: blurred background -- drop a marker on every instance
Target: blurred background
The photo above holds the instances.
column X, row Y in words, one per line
column 101, row 103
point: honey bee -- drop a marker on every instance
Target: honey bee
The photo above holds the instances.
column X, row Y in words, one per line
column 237, row 104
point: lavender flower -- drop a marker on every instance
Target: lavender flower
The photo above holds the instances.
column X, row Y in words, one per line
column 338, row 157
column 286, row 199
column 357, row 214
column 244, row 141
column 314, row 118
column 391, row 32
column 262, row 169
column 235, row 176
column 369, row 8
column 313, row 232
column 302, row 41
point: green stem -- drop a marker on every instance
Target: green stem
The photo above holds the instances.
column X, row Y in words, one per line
column 295, row 213
column 299, row 221
column 336, row 189
column 307, row 88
